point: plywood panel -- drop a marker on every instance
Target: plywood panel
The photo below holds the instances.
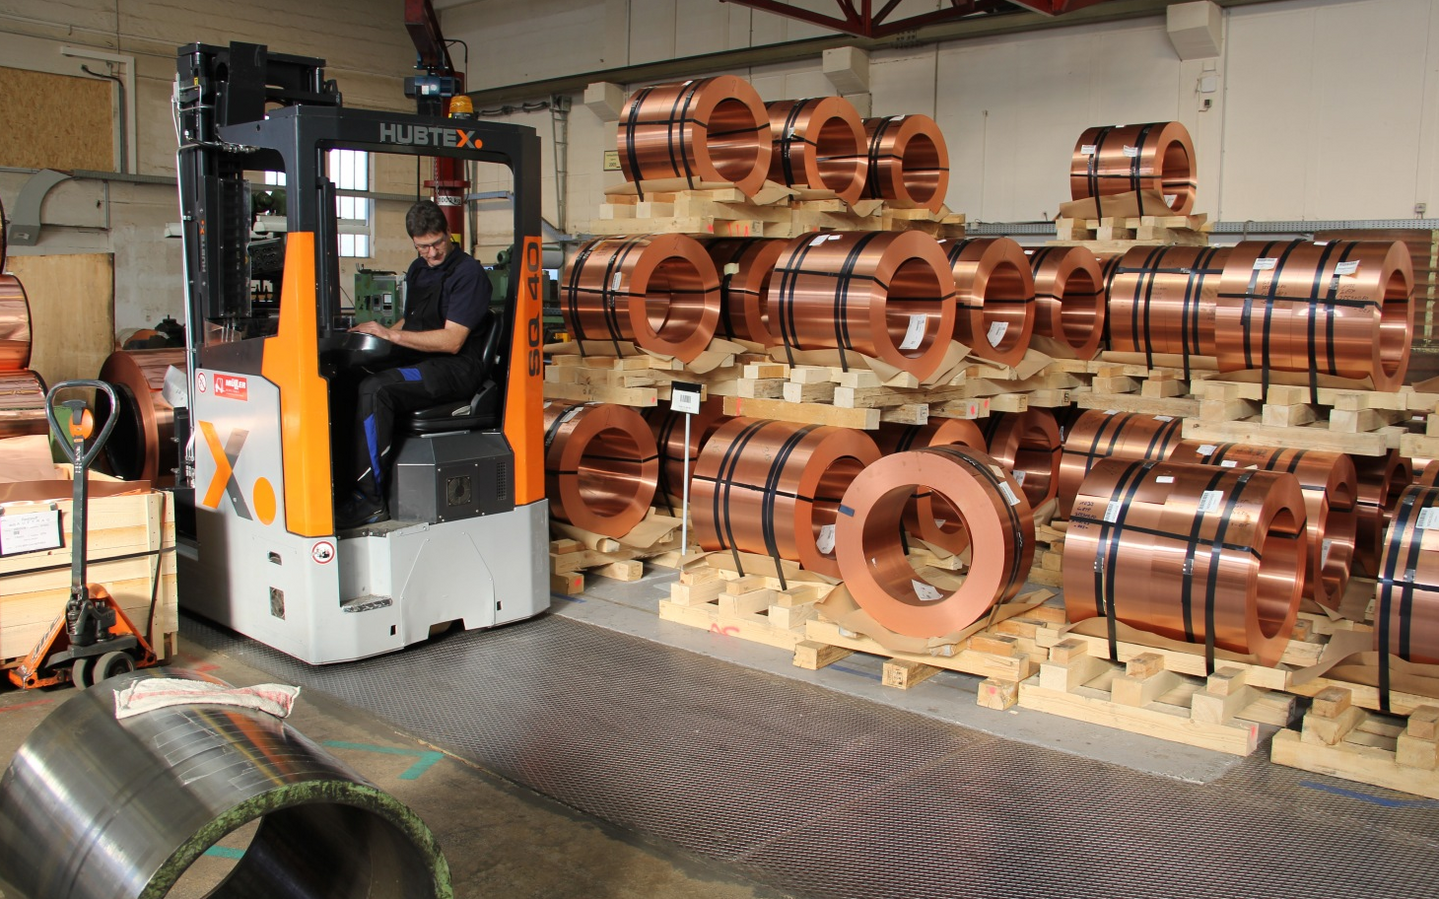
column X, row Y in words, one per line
column 72, row 312
column 35, row 137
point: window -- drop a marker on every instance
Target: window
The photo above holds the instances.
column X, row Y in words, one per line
column 350, row 170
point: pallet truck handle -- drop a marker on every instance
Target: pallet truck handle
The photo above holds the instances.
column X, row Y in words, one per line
column 67, row 444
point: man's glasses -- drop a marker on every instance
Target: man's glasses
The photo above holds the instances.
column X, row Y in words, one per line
column 423, row 248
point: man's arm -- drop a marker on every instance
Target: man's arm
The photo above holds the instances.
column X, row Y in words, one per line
column 448, row 339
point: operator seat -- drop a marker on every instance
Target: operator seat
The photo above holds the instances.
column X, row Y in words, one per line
column 483, row 409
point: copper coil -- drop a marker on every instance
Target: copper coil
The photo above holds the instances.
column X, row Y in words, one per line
column 930, row 515
column 15, row 336
column 908, row 162
column 142, row 446
column 668, row 428
column 745, row 266
column 1098, row 434
column 1027, row 444
column 1406, row 612
column 601, row 466
column 1331, row 495
column 1382, row 480
column 994, row 296
column 1158, row 156
column 1341, row 308
column 774, row 488
column 706, row 130
column 884, row 294
column 2, row 237
column 1426, row 473
column 22, row 404
column 1162, row 300
column 1069, row 298
column 1189, row 552
column 660, row 291
column 873, row 561
column 819, row 143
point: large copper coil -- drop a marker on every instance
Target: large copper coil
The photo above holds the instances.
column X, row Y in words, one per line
column 820, row 144
column 745, row 266
column 1426, row 472
column 1382, row 480
column 1341, row 308
column 1162, row 300
column 1069, row 298
column 1158, row 157
column 1191, row 552
column 872, row 559
column 668, row 428
column 994, row 293
column 1098, row 434
column 15, row 337
column 661, row 291
column 930, row 515
column 908, row 162
column 22, row 404
column 142, row 446
column 1406, row 612
column 1027, row 443
column 706, row 130
column 601, row 466
column 775, row 488
column 887, row 295
column 1331, row 495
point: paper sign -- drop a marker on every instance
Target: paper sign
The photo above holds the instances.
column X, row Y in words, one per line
column 1009, row 494
column 1088, row 149
column 1427, row 518
column 615, row 281
column 1209, row 500
column 1164, row 479
column 1111, row 511
column 1347, row 268
column 1131, row 152
column 925, row 592
column 731, row 268
column 1324, row 555
column 684, row 397
column 996, row 333
column 1164, row 418
column 1170, row 198
column 915, row 335
column 1228, row 463
column 1265, row 263
column 825, row 541
column 29, row 532
column 1019, row 474
column 1207, row 449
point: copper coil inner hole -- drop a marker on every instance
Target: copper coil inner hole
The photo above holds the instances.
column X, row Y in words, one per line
column 1393, row 324
column 1079, row 308
column 732, row 139
column 839, row 167
column 891, row 566
column 1279, row 554
column 610, row 473
column 828, row 493
column 1174, row 175
column 919, row 170
column 675, row 299
column 1005, row 301
column 913, row 290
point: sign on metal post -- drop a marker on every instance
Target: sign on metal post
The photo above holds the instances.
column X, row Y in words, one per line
column 685, row 397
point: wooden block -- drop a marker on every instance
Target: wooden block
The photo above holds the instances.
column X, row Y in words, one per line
column 1009, row 402
column 699, row 575
column 695, row 594
column 766, row 370
column 1220, row 708
column 1413, row 752
column 1424, row 723
column 745, row 603
column 1225, row 681
column 631, row 570
column 904, row 673
column 766, row 389
column 565, row 546
column 798, row 595
column 812, row 656
column 1139, row 690
column 813, row 374
column 818, row 392
column 745, row 584
column 803, row 413
column 1288, row 416
column 1063, row 677
column 569, row 584
column 906, row 414
column 1330, row 702
column 1144, row 665
column 790, row 616
column 1067, row 650
column 998, row 694
column 1358, row 421
column 1159, row 388
column 995, row 644
column 1329, row 731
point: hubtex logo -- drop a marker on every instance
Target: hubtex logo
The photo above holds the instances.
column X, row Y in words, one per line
column 427, row 136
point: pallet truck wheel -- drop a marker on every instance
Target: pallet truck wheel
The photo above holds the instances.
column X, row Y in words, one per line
column 113, row 663
column 80, row 672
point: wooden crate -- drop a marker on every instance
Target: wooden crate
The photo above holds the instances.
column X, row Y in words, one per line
column 1342, row 740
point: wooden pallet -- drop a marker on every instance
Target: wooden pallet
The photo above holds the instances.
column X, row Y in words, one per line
column 1048, row 567
column 749, row 607
column 576, row 554
column 1121, row 232
column 636, row 379
column 1341, row 740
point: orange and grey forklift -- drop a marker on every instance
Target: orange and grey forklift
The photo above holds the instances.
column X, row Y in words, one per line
column 260, row 554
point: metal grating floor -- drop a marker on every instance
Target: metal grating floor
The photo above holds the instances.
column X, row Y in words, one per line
column 826, row 795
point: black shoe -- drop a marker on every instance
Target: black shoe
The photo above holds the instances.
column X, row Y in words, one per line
column 358, row 511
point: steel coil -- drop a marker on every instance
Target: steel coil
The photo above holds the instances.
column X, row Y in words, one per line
column 775, row 487
column 142, row 446
column 930, row 515
column 1406, row 613
column 668, row 428
column 1027, row 444
column 98, row 808
column 1162, row 300
column 1190, row 552
column 873, row 562
column 601, row 466
column 661, row 291
column 22, row 404
column 994, row 297
column 1341, row 308
column 1158, row 156
column 1069, row 298
column 819, row 144
column 908, row 162
column 1099, row 434
column 1382, row 480
column 745, row 266
column 15, row 336
column 706, row 130
column 886, row 295
column 1331, row 493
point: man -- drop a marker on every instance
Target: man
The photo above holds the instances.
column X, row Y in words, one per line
column 447, row 300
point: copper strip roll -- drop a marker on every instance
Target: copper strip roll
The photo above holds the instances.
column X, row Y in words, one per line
column 931, row 516
column 774, row 488
column 1069, row 298
column 712, row 129
column 660, row 291
column 668, row 428
column 1189, row 552
column 873, row 562
column 1098, row 435
column 886, row 295
column 1382, row 480
column 1158, row 156
column 1162, row 300
column 1341, row 308
column 601, row 466
column 994, row 293
column 908, row 162
column 1331, row 494
column 15, row 336
column 1406, row 612
column 745, row 266
column 1027, row 444
column 1426, row 473
column 819, row 143
column 142, row 446
column 22, row 404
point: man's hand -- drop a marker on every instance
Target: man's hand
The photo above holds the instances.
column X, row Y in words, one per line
column 377, row 329
column 448, row 339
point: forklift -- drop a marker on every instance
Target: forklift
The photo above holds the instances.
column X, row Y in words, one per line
column 257, row 543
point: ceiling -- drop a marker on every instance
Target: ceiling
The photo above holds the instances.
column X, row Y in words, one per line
column 883, row 18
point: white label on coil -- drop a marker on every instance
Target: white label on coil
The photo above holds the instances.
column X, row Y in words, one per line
column 731, row 268
column 1265, row 263
column 1324, row 554
column 825, row 541
column 896, row 118
column 1170, row 198
column 30, row 532
column 1321, row 243
column 819, row 240
column 1164, row 479
column 1428, row 517
column 1019, row 476
column 996, row 332
column 1164, row 418
column 914, row 336
column 939, row 522
column 1111, row 511
column 615, row 281
column 1131, row 152
column 1228, row 463
column 1088, row 149
column 1347, row 268
column 1009, row 494
column 1111, row 411
column 1209, row 500
column 925, row 592
column 1207, row 449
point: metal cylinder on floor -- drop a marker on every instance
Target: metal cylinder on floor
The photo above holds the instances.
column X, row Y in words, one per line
column 705, row 131
column 1099, row 434
column 601, row 466
column 908, row 162
column 930, row 516
column 1069, row 298
column 1406, row 612
column 994, row 297
column 1382, row 480
column 745, row 266
column 142, row 446
column 22, row 404
column 1156, row 156
column 820, row 144
column 1027, row 444
column 16, row 339
column 1162, row 300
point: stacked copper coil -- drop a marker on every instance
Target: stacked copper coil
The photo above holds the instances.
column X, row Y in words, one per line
column 601, row 466
column 1157, row 157
column 1382, row 480
column 1099, row 434
column 1406, row 613
column 15, row 337
column 775, row 487
column 1162, row 300
column 1027, row 444
column 1069, row 298
column 1205, row 555
column 994, row 293
column 1426, row 473
column 745, row 266
column 873, row 561
column 886, row 295
column 22, row 404
column 1331, row 490
column 1341, row 308
column 142, row 446
column 930, row 515
column 819, row 144
column 706, row 130
column 661, row 291
column 668, row 428
column 908, row 162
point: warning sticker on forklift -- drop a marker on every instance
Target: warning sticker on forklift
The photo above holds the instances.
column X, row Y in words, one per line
column 28, row 532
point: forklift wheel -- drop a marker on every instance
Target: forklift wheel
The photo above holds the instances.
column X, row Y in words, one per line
column 80, row 671
column 113, row 663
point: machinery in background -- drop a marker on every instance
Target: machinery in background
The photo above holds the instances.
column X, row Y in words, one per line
column 552, row 322
column 380, row 296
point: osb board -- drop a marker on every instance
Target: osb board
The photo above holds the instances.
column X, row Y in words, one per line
column 72, row 312
column 81, row 136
